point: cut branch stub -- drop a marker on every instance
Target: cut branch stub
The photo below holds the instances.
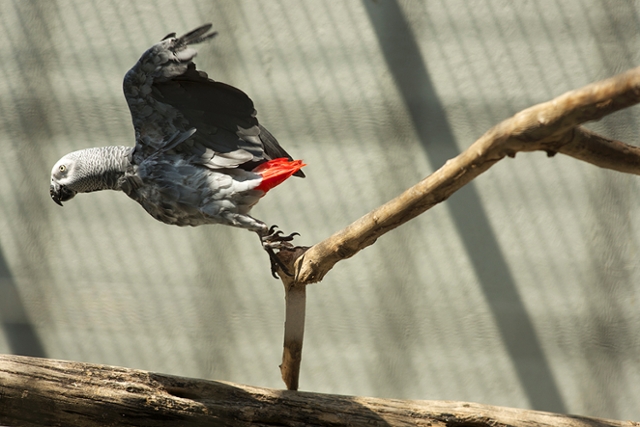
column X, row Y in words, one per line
column 295, row 310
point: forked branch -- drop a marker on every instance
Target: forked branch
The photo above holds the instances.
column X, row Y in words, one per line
column 552, row 126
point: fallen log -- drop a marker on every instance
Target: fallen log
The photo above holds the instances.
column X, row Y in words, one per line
column 45, row 392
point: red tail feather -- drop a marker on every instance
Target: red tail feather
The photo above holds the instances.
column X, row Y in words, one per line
column 276, row 171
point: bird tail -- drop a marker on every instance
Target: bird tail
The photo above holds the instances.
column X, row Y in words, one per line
column 276, row 171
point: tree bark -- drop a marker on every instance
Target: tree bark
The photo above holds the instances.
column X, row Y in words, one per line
column 45, row 392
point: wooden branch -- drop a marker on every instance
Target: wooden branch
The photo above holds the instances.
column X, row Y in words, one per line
column 295, row 310
column 598, row 150
column 44, row 392
column 551, row 126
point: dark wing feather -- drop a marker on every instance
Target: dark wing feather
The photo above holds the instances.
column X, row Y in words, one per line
column 168, row 98
column 222, row 114
column 273, row 148
column 194, row 94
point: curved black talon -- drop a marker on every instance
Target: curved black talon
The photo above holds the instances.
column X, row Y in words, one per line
column 272, row 229
column 275, row 236
column 278, row 237
column 275, row 262
column 275, row 240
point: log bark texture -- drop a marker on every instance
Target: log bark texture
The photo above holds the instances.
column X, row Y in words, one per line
column 45, row 392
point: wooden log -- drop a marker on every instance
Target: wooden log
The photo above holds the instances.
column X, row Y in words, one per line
column 44, row 392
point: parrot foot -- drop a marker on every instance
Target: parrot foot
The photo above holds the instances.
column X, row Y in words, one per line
column 275, row 239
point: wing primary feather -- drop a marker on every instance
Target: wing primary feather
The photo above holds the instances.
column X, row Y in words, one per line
column 170, row 98
column 197, row 36
column 273, row 148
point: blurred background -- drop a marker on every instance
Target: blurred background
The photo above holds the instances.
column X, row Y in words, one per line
column 521, row 290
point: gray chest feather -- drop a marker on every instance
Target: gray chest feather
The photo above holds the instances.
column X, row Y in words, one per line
column 178, row 193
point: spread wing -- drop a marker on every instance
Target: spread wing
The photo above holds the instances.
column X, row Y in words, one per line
column 177, row 108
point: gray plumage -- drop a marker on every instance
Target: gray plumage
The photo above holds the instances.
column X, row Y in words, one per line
column 199, row 147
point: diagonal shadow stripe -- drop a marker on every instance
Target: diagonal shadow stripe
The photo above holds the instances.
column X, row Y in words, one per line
column 20, row 333
column 410, row 74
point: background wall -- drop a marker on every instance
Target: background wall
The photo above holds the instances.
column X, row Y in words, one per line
column 521, row 290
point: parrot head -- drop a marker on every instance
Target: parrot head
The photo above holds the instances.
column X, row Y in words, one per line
column 63, row 180
column 87, row 170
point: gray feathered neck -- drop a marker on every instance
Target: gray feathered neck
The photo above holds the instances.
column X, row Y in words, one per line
column 100, row 168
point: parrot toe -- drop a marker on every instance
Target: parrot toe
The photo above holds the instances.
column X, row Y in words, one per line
column 274, row 239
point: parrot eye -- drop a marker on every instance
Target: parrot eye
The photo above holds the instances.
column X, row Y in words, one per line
column 63, row 168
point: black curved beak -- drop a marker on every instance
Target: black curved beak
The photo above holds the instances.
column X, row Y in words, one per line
column 60, row 193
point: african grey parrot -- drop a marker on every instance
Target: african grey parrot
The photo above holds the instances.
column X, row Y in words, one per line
column 200, row 157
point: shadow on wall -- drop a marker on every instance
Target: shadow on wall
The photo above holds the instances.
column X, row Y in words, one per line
column 20, row 333
column 410, row 74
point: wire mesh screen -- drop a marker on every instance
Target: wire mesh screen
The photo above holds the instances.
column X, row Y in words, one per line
column 521, row 290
